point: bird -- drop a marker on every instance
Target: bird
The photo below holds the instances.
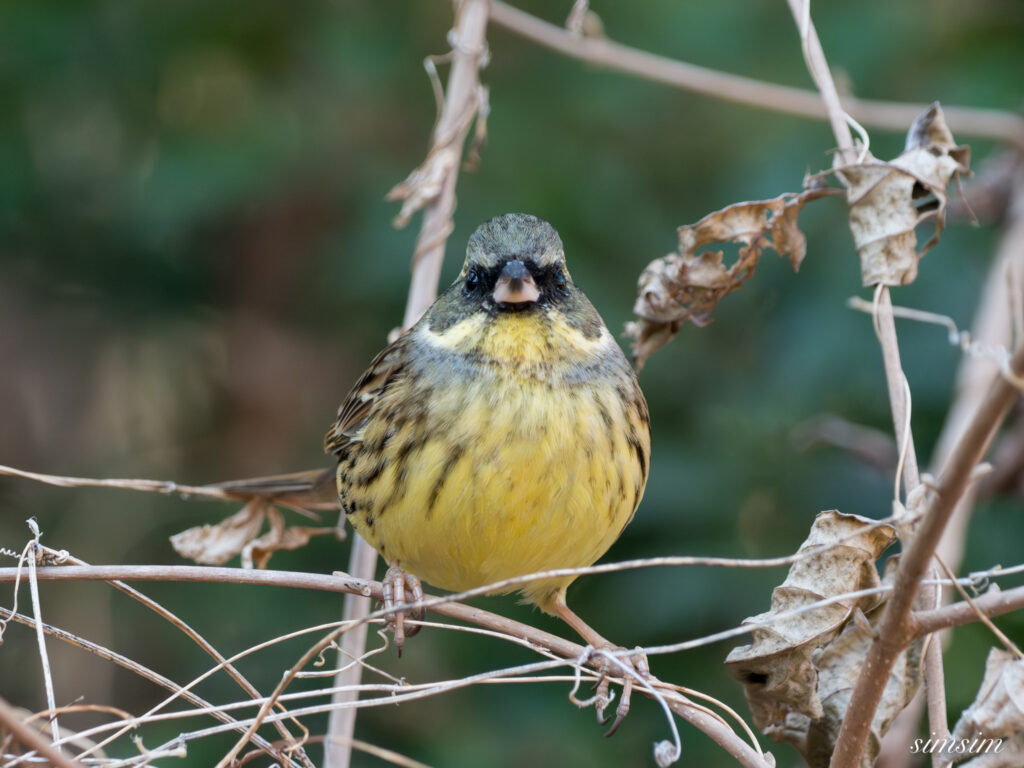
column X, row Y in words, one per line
column 503, row 434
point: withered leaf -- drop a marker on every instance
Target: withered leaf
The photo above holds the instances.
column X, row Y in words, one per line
column 216, row 544
column 239, row 534
column 258, row 551
column 888, row 201
column 688, row 284
column 991, row 730
column 786, row 681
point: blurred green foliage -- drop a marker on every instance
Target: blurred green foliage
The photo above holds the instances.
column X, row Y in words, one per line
column 196, row 261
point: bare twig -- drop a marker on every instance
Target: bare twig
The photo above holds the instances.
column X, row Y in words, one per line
column 995, row 602
column 992, row 328
column 31, row 738
column 982, row 616
column 990, row 123
column 894, row 632
column 461, row 104
column 885, row 326
column 694, row 714
column 133, row 666
column 203, row 643
column 341, row 722
column 899, row 391
column 992, row 603
column 234, row 491
column 318, row 648
column 990, row 337
column 37, row 613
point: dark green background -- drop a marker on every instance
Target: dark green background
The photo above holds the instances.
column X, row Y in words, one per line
column 197, row 261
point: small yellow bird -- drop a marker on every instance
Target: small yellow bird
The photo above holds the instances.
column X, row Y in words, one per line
column 503, row 434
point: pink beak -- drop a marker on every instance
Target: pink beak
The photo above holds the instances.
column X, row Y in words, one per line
column 515, row 285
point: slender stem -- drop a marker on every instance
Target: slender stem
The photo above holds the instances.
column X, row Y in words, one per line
column 995, row 602
column 31, row 738
column 896, row 384
column 138, row 669
column 44, row 657
column 934, row 676
column 341, row 722
column 894, row 630
column 229, row 668
column 712, row 727
column 899, row 403
column 920, row 623
column 601, row 52
column 469, row 46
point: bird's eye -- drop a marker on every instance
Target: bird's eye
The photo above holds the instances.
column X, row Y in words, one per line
column 560, row 285
column 472, row 281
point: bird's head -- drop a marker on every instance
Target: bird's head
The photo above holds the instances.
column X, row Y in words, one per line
column 515, row 263
column 514, row 291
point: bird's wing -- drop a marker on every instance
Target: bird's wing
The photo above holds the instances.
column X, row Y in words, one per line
column 385, row 369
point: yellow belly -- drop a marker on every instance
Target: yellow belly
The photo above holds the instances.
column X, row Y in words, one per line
column 512, row 482
column 510, row 445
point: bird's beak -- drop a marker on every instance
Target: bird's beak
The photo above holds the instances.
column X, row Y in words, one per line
column 515, row 285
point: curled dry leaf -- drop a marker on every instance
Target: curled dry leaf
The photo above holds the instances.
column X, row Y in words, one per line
column 239, row 534
column 258, row 551
column 799, row 670
column 888, row 201
column 216, row 544
column 688, row 284
column 991, row 730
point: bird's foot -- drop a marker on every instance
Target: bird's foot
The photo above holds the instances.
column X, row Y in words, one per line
column 613, row 661
column 399, row 586
column 610, row 661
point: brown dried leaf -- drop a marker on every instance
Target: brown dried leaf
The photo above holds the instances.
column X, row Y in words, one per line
column 216, row 544
column 997, row 713
column 258, row 551
column 781, row 669
column 885, row 199
column 687, row 285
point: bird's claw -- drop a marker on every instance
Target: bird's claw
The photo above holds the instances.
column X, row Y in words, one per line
column 397, row 583
column 604, row 695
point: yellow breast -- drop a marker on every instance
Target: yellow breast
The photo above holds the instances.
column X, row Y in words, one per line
column 529, row 453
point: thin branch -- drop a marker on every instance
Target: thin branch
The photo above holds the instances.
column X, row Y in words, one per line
column 203, row 643
column 992, row 603
column 899, row 396
column 694, row 714
column 991, row 335
column 132, row 666
column 894, row 631
column 301, row 489
column 995, row 602
column 992, row 329
column 37, row 614
column 31, row 738
column 986, row 353
column 341, row 723
column 462, row 103
column 601, row 52
column 814, row 57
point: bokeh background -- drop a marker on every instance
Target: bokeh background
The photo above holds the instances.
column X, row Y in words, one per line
column 197, row 261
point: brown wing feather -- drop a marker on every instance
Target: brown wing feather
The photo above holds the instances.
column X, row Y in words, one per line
column 353, row 413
